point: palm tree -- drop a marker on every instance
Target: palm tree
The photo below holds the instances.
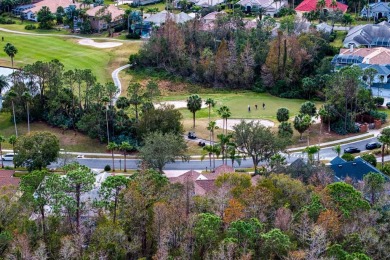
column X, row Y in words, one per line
column 210, row 103
column 311, row 150
column 194, row 103
column 224, row 141
column 333, row 4
column 321, row 5
column 125, row 147
column 370, row 74
column 12, row 95
column 106, row 100
column 112, row 147
column 27, row 97
column 233, row 155
column 212, row 127
column 11, row 51
column 12, row 141
column 337, row 149
column 2, row 140
column 225, row 113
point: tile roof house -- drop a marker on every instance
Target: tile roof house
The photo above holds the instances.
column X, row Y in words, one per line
column 355, row 169
column 271, row 7
column 311, row 5
column 117, row 16
column 376, row 10
column 203, row 183
column 377, row 58
column 29, row 12
column 369, row 35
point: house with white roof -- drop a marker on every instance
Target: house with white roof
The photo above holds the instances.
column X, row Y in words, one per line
column 161, row 17
column 271, row 7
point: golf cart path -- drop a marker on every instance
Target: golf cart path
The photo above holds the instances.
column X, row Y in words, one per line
column 117, row 81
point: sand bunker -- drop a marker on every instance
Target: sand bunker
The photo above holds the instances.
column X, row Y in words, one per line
column 176, row 104
column 233, row 122
column 101, row 45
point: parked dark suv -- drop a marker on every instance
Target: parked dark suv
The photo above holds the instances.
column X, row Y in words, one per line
column 351, row 150
column 191, row 135
column 373, row 145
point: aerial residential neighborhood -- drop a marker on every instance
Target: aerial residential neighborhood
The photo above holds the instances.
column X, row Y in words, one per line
column 194, row 129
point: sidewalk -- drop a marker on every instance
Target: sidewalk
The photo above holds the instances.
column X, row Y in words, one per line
column 374, row 132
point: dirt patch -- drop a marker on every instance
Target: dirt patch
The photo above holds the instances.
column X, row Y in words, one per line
column 233, row 122
column 100, row 45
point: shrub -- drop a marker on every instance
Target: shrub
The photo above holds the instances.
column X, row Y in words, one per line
column 370, row 158
column 133, row 36
column 119, row 28
column 348, row 157
column 379, row 115
column 282, row 114
column 379, row 101
column 285, row 130
column 388, row 105
column 107, row 168
column 6, row 21
column 30, row 27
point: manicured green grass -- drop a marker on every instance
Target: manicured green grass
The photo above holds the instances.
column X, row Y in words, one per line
column 238, row 102
column 73, row 55
column 338, row 42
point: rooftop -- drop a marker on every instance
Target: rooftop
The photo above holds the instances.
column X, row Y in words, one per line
column 116, row 13
column 53, row 5
column 311, row 5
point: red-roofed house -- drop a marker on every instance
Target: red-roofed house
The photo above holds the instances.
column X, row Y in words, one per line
column 311, row 5
column 95, row 14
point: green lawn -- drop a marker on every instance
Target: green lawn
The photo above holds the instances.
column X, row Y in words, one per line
column 238, row 103
column 73, row 55
column 338, row 42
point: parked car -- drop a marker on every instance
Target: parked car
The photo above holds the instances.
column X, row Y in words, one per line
column 373, row 145
column 191, row 135
column 80, row 156
column 8, row 157
column 351, row 150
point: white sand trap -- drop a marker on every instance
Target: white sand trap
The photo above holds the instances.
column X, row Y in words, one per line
column 176, row 104
column 101, row 45
column 233, row 122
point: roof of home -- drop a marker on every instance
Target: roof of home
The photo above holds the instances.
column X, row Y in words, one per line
column 264, row 3
column 213, row 15
column 187, row 176
column 7, row 179
column 203, row 187
column 355, row 169
column 207, row 3
column 374, row 7
column 378, row 55
column 162, row 17
column 324, row 27
column 381, row 69
column 311, row 5
column 116, row 13
column 53, row 5
column 369, row 34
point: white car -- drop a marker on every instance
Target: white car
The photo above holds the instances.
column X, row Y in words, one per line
column 8, row 157
column 80, row 156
